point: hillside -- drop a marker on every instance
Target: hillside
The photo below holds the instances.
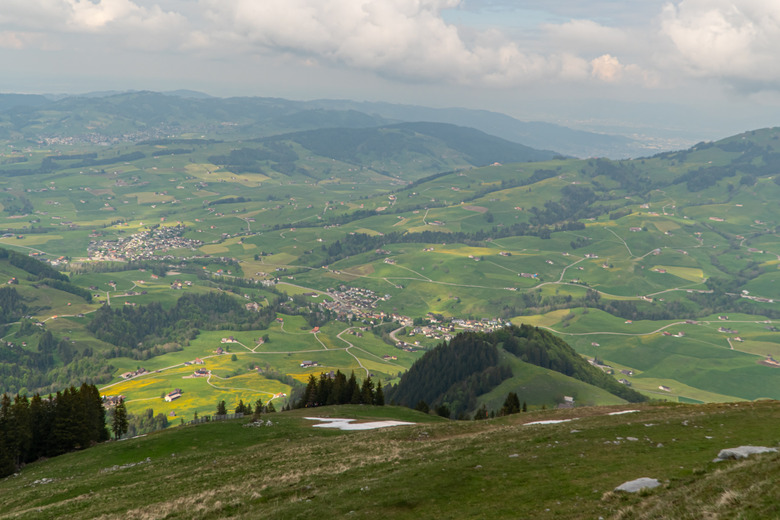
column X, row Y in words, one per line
column 536, row 134
column 140, row 114
column 457, row 374
column 360, row 250
column 502, row 468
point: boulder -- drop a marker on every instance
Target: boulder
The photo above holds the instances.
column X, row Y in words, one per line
column 742, row 452
column 632, row 486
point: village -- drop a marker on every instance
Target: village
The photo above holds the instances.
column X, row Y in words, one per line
column 142, row 245
column 354, row 303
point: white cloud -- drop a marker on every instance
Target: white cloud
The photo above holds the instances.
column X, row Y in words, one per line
column 406, row 39
column 138, row 25
column 606, row 68
column 733, row 40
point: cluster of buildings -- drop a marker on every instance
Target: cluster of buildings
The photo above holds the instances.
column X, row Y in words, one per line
column 142, row 245
column 354, row 303
column 134, row 373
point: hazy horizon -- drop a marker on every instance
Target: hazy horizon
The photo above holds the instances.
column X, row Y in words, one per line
column 686, row 69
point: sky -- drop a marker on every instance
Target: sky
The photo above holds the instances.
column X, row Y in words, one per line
column 690, row 70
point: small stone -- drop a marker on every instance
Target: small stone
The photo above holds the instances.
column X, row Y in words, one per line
column 632, row 486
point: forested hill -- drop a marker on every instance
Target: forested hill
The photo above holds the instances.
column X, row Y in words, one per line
column 455, row 374
column 476, row 148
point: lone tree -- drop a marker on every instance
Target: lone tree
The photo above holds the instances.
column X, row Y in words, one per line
column 511, row 404
column 221, row 408
column 120, row 424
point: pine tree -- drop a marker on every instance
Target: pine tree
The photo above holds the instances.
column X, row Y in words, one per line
column 481, row 413
column 379, row 395
column 367, row 391
column 352, row 392
column 221, row 408
column 121, row 424
column 511, row 404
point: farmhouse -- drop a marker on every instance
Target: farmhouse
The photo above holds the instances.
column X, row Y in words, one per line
column 129, row 375
column 306, row 364
column 173, row 395
column 110, row 401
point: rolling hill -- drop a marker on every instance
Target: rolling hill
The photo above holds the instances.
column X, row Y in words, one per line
column 524, row 465
column 138, row 114
column 636, row 264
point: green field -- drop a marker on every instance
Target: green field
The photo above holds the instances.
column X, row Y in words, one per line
column 583, row 248
column 502, row 468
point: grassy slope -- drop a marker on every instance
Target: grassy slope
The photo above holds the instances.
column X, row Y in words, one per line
column 487, row 469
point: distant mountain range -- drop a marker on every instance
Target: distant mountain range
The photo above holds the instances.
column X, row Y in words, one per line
column 119, row 113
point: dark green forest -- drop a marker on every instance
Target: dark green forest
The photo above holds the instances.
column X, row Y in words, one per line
column 337, row 389
column 455, row 374
column 138, row 331
column 39, row 427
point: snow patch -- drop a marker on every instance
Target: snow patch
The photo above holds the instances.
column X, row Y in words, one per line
column 549, row 422
column 346, row 424
column 623, row 412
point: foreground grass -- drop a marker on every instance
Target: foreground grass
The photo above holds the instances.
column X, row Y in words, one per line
column 489, row 469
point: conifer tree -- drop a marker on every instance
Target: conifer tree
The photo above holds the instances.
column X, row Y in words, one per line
column 511, row 404
column 120, row 424
column 367, row 391
column 221, row 408
column 481, row 413
column 379, row 395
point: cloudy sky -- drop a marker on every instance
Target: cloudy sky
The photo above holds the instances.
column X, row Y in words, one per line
column 697, row 69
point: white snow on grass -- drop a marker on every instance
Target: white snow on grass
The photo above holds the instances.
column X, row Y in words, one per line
column 346, row 424
column 549, row 422
column 623, row 412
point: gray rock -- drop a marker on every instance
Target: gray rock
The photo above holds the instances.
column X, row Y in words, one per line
column 632, row 486
column 742, row 452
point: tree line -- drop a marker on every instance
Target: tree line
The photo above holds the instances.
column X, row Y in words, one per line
column 338, row 389
column 138, row 329
column 49, row 426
